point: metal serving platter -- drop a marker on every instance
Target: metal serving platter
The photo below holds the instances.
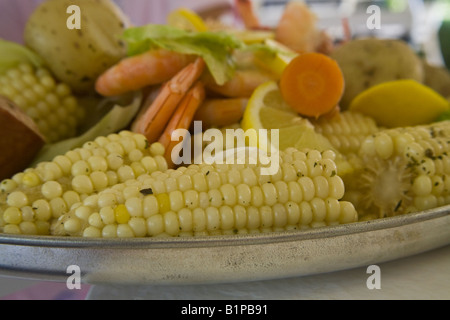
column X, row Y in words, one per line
column 225, row 259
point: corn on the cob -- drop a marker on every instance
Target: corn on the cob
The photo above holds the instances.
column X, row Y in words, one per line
column 30, row 200
column 51, row 105
column 346, row 131
column 216, row 199
column 402, row 170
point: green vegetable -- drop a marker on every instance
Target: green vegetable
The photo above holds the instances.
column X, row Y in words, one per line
column 13, row 54
column 444, row 117
column 214, row 47
column 118, row 118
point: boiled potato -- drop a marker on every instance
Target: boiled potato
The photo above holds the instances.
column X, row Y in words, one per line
column 368, row 62
column 21, row 139
column 77, row 56
column 437, row 78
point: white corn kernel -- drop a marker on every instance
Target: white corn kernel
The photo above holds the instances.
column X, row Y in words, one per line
column 384, row 146
column 212, row 219
column 138, row 226
column 186, row 220
column 422, row 185
column 17, row 199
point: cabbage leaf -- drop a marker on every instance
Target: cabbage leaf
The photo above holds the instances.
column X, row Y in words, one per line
column 215, row 48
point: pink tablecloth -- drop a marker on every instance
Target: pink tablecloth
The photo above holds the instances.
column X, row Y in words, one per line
column 49, row 291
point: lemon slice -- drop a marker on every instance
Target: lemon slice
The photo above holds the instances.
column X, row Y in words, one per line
column 253, row 36
column 267, row 110
column 186, row 19
column 277, row 62
column 400, row 103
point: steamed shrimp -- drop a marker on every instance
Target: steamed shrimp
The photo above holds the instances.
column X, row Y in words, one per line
column 241, row 85
column 246, row 11
column 297, row 30
column 150, row 68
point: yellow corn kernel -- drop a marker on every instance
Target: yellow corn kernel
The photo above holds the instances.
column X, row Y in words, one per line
column 121, row 214
column 12, row 215
column 31, row 179
column 163, row 202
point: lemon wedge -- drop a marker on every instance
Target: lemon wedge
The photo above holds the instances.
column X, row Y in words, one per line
column 266, row 109
column 186, row 19
column 400, row 103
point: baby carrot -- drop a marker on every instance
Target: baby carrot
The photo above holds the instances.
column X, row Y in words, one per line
column 312, row 84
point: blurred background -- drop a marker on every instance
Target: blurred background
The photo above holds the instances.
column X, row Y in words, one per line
column 423, row 23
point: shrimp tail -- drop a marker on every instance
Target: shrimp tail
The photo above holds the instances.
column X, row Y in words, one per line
column 182, row 119
column 153, row 122
column 246, row 12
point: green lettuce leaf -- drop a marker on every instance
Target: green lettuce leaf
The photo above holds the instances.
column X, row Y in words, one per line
column 215, row 48
column 13, row 54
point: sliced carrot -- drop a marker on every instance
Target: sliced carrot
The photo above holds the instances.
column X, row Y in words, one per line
column 312, row 84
